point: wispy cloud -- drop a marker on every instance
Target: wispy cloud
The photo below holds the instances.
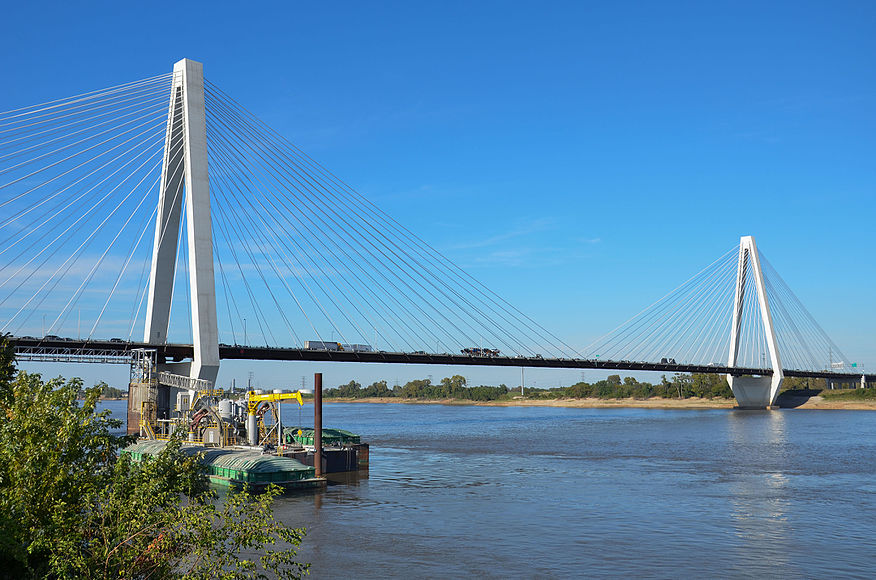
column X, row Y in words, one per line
column 514, row 258
column 532, row 227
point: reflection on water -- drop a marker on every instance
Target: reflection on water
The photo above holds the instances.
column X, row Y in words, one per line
column 542, row 492
column 758, row 490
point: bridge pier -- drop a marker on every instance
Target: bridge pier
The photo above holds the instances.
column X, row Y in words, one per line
column 847, row 383
column 755, row 392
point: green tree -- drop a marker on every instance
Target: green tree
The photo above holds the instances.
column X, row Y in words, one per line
column 7, row 366
column 682, row 384
column 377, row 389
column 69, row 508
column 351, row 390
column 453, row 386
column 416, row 389
column 109, row 392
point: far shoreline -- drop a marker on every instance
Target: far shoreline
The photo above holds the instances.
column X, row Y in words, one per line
column 785, row 402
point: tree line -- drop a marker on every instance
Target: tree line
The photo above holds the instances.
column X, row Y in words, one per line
column 679, row 386
column 449, row 388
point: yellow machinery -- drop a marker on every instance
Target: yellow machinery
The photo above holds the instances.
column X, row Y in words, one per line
column 253, row 400
column 198, row 413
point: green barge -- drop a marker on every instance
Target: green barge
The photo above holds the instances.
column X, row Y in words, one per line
column 236, row 468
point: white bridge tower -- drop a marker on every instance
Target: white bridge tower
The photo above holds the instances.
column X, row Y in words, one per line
column 753, row 392
column 184, row 177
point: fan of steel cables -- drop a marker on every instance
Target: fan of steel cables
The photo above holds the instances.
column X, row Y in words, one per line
column 78, row 183
column 298, row 254
column 692, row 324
column 303, row 256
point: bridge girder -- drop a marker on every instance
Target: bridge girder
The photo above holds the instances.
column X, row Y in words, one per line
column 117, row 351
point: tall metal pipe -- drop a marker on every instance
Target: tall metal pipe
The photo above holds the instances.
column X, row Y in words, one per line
column 317, row 423
column 252, row 430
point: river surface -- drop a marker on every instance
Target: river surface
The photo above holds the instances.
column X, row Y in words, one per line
column 457, row 491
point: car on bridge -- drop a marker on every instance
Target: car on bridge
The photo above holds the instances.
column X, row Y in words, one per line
column 476, row 351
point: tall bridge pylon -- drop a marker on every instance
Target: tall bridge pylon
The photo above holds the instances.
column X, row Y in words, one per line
column 755, row 392
column 185, row 179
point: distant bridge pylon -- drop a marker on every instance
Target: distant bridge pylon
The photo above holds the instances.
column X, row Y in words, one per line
column 735, row 313
column 753, row 391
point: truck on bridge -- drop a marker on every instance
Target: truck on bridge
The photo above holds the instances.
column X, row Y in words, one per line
column 322, row 345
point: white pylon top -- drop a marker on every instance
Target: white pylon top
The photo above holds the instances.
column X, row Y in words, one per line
column 185, row 176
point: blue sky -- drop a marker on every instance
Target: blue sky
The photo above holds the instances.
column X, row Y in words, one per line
column 581, row 159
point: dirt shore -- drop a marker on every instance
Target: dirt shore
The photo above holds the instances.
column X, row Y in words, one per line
column 815, row 402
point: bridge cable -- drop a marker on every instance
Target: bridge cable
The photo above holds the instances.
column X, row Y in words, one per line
column 427, row 289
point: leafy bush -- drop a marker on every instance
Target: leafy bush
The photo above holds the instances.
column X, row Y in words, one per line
column 71, row 508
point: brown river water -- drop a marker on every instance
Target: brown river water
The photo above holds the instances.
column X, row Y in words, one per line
column 536, row 492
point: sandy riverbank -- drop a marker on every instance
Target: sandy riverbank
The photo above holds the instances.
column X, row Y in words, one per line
column 816, row 402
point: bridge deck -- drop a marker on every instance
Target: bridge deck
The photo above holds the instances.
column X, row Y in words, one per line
column 118, row 352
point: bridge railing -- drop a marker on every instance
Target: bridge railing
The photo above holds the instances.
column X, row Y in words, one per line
column 72, row 355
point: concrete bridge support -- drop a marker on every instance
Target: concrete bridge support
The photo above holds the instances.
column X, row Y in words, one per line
column 184, row 180
column 847, row 383
column 185, row 164
column 753, row 392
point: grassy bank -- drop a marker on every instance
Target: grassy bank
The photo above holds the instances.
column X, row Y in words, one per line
column 850, row 395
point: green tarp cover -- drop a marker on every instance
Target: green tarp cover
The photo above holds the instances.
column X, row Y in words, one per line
column 329, row 436
column 232, row 463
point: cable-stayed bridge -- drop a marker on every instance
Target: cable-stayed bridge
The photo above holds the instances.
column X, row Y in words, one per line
column 161, row 215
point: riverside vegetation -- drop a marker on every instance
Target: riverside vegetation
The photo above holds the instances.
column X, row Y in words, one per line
column 70, row 507
column 680, row 386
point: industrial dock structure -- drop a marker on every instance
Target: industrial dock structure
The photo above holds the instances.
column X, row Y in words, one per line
column 240, row 437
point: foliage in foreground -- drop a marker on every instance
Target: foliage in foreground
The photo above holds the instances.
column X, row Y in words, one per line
column 70, row 508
